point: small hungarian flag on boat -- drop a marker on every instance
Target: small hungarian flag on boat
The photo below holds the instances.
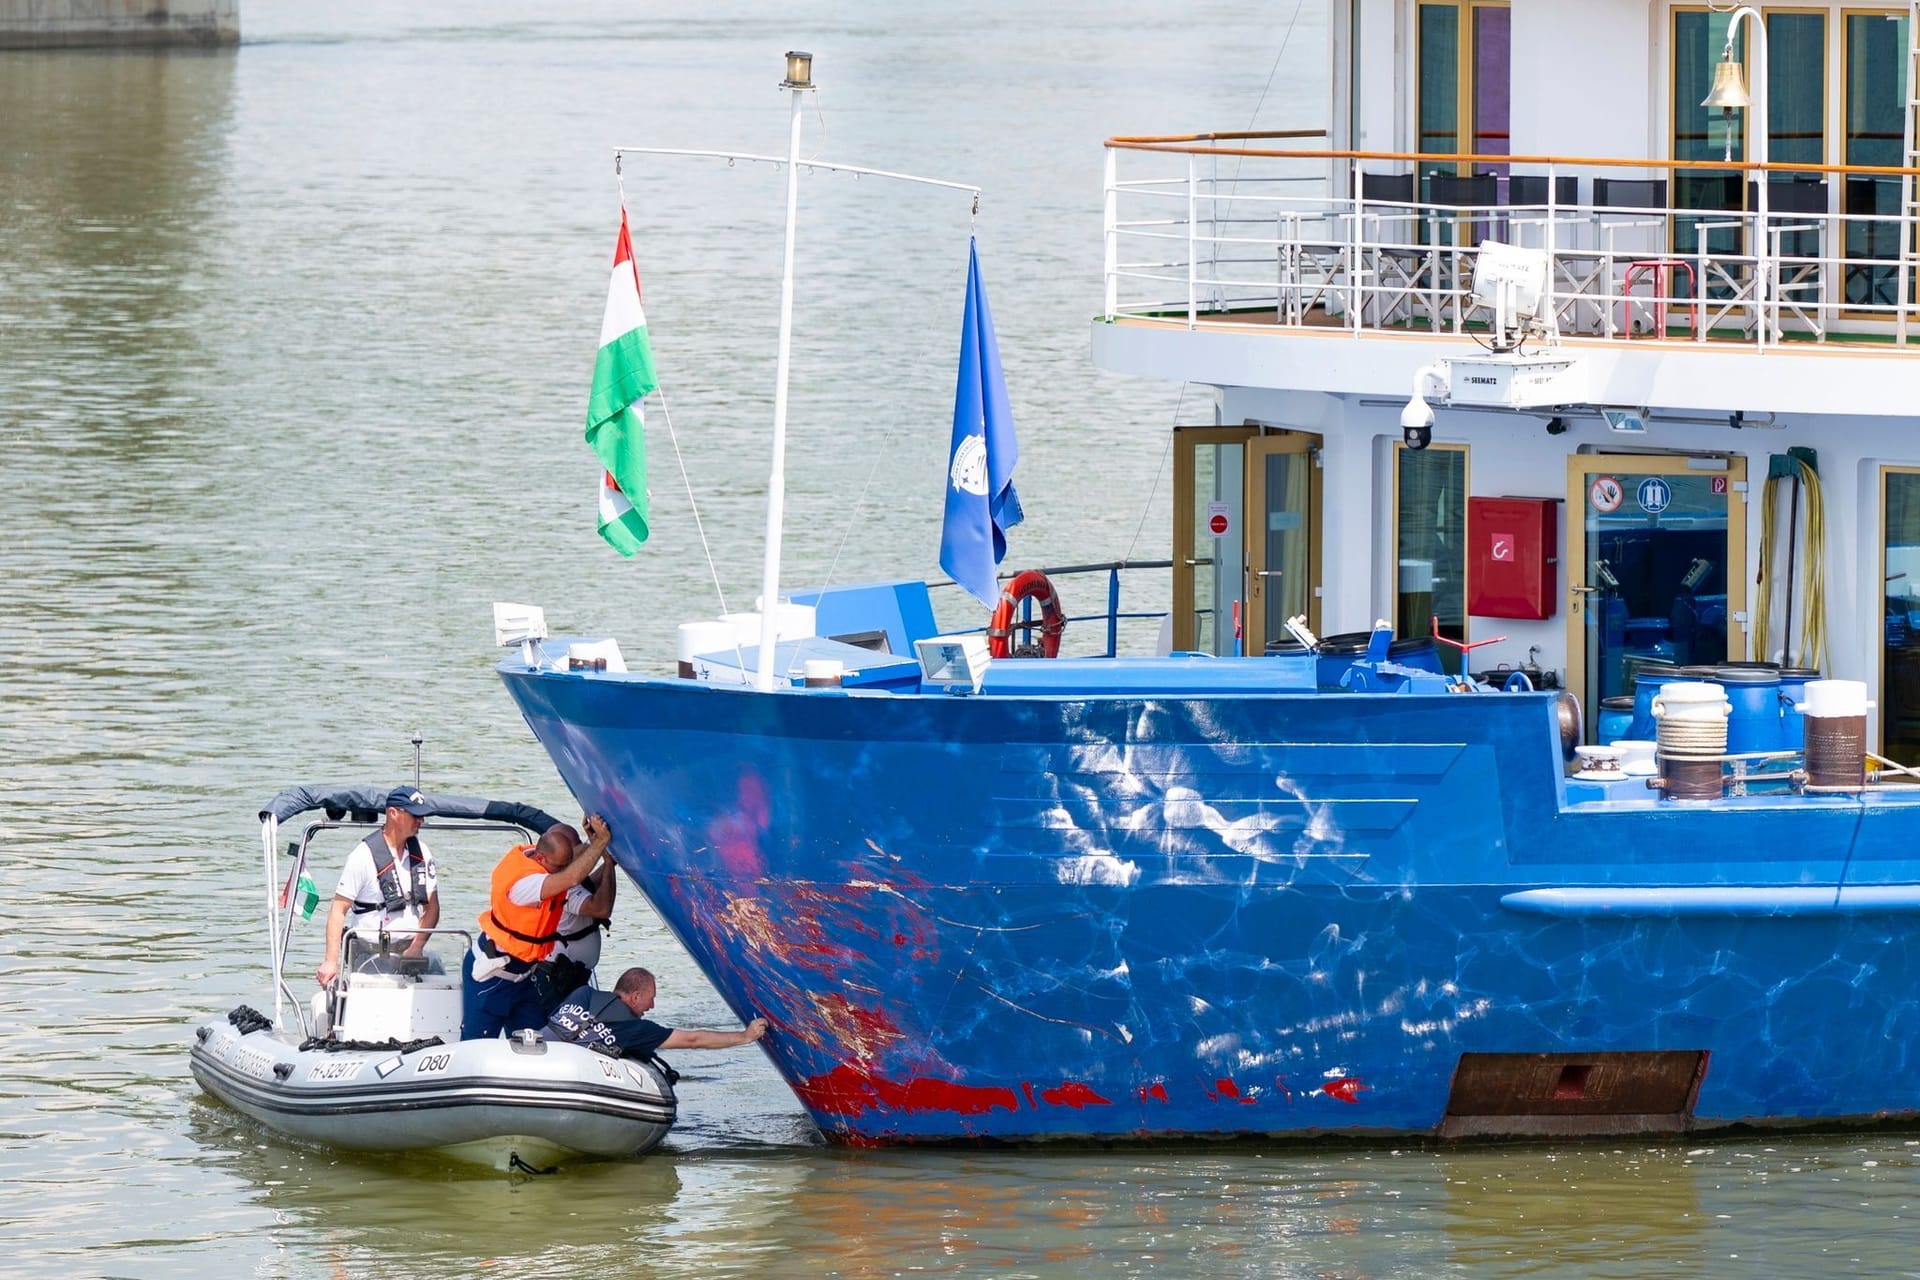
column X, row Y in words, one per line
column 622, row 377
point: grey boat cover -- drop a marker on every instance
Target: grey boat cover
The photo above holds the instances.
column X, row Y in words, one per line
column 369, row 803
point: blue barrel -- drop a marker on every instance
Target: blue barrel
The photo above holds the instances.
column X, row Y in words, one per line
column 1793, row 687
column 1616, row 717
column 1755, row 721
column 1337, row 653
column 1648, row 683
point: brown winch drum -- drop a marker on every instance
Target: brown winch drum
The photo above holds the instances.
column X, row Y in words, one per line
column 1692, row 722
column 1837, row 751
column 1835, row 712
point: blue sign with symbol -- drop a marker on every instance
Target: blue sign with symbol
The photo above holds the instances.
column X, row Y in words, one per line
column 1654, row 494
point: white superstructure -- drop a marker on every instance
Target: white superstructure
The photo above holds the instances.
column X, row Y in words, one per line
column 1704, row 314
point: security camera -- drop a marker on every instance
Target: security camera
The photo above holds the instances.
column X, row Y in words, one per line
column 1416, row 423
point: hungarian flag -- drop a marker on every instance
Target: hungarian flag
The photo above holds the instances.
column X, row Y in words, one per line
column 622, row 376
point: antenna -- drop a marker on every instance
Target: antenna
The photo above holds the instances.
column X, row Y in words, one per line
column 418, row 738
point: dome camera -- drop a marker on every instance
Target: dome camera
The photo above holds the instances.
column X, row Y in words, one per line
column 1416, row 423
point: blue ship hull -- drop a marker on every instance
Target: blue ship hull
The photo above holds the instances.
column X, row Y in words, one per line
column 1109, row 915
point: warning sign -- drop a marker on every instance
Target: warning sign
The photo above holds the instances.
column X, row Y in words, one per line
column 1606, row 493
column 1219, row 522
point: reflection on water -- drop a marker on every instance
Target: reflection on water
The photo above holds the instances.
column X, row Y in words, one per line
column 293, row 349
column 1816, row 1207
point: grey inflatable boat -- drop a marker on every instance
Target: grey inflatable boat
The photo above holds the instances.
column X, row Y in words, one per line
column 376, row 1062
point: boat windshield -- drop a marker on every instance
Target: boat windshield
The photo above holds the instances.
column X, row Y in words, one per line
column 410, row 954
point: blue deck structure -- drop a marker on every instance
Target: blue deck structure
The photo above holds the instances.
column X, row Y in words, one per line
column 1099, row 913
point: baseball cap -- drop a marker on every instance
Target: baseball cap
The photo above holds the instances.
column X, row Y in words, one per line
column 410, row 800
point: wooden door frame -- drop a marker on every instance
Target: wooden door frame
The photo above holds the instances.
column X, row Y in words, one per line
column 1580, row 468
column 1256, row 441
column 1270, row 442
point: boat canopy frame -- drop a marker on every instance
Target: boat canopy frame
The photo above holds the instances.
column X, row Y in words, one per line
column 359, row 808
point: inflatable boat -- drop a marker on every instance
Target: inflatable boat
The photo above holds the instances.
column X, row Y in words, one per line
column 376, row 1063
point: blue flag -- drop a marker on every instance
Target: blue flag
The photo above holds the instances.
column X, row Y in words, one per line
column 981, row 503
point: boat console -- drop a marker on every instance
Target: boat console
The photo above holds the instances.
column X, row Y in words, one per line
column 384, row 994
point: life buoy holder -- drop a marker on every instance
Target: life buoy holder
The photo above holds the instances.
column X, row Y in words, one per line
column 1029, row 584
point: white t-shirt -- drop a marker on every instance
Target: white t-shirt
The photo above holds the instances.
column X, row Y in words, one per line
column 584, row 950
column 525, row 893
column 360, row 882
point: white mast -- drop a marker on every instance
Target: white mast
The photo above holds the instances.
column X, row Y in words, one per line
column 799, row 80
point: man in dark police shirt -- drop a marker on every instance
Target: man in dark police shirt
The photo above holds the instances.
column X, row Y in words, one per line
column 614, row 1023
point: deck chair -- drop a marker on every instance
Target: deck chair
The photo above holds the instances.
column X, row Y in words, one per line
column 1399, row 270
column 1459, row 214
column 1797, row 228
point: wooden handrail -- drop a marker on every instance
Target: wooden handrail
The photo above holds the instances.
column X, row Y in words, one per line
column 1186, row 144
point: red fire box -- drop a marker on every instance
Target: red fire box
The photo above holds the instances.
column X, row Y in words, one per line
column 1513, row 557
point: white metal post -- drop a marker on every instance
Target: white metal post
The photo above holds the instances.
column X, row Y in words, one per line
column 270, row 839
column 777, row 481
column 1356, row 286
column 1113, row 231
column 1193, row 248
column 1552, row 241
column 1757, row 151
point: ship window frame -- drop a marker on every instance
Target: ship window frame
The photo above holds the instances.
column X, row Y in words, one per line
column 1883, row 700
column 1400, row 451
column 1825, row 96
column 1843, row 81
column 1465, row 81
column 1743, row 48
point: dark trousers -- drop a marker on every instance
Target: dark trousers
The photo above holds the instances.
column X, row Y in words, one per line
column 555, row 980
column 496, row 1005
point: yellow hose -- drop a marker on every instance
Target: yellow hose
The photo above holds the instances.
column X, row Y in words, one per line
column 1812, row 587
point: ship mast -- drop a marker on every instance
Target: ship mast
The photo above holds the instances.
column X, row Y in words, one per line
column 799, row 80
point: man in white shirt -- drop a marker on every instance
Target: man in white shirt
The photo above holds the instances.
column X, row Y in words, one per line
column 388, row 883
column 586, row 916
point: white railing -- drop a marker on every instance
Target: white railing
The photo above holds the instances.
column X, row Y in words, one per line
column 1202, row 231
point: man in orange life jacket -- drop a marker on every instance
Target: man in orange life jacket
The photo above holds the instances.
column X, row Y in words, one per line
column 387, row 885
column 520, row 925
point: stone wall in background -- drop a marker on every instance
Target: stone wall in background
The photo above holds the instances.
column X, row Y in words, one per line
column 69, row 24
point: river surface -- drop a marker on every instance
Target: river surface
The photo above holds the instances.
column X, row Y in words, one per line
column 294, row 345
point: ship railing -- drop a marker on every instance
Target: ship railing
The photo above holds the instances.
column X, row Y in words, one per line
column 1076, row 582
column 1211, row 230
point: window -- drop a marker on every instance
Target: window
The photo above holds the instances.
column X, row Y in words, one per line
column 1900, row 632
column 1796, row 86
column 1430, row 544
column 1464, row 79
column 1701, row 133
column 1874, row 75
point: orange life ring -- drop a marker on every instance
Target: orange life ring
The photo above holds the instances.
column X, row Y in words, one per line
column 1029, row 584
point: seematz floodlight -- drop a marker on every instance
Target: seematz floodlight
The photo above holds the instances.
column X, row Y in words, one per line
column 953, row 663
column 1512, row 283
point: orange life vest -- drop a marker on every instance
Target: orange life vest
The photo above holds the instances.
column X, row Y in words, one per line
column 525, row 933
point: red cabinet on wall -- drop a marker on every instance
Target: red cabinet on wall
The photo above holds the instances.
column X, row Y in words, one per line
column 1513, row 557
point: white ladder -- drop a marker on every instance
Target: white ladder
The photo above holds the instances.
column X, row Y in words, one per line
column 1909, row 253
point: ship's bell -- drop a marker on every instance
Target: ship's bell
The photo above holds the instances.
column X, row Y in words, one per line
column 1729, row 87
